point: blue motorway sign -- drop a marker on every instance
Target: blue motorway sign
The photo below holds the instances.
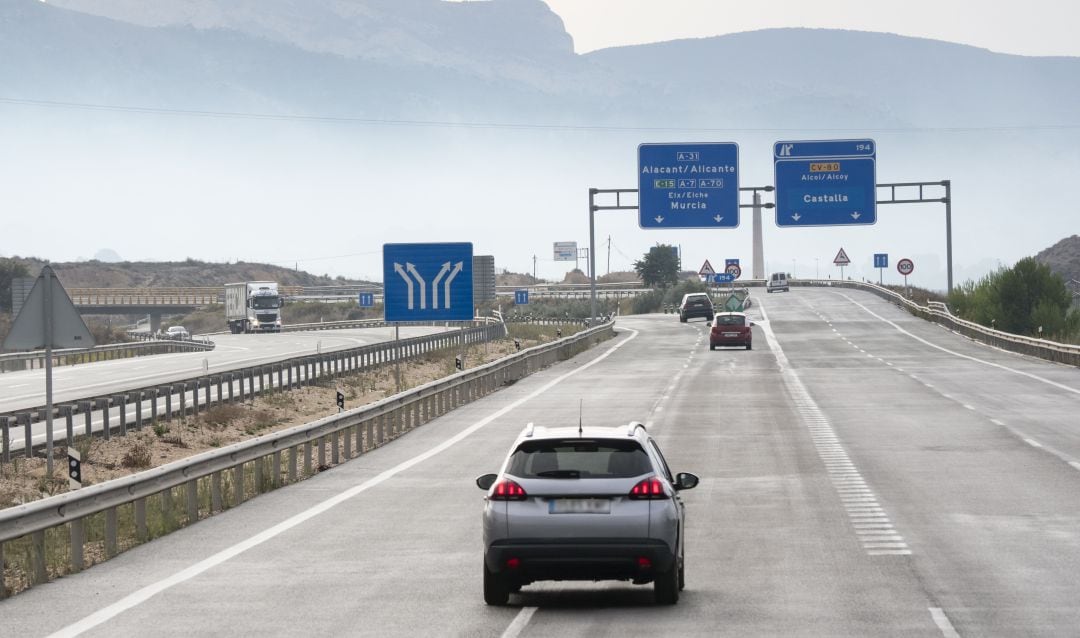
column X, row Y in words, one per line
column 428, row 282
column 521, row 297
column 730, row 262
column 723, row 278
column 825, row 183
column 367, row 299
column 688, row 185
column 881, row 260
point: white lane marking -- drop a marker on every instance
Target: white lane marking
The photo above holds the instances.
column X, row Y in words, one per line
column 964, row 356
column 1032, row 442
column 968, row 407
column 522, row 619
column 943, row 623
column 142, row 595
column 1075, row 465
column 860, row 508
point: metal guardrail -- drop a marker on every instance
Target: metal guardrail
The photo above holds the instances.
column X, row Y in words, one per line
column 269, row 461
column 939, row 313
column 36, row 359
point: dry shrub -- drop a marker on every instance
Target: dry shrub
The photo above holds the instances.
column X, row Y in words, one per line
column 138, row 457
column 223, row 414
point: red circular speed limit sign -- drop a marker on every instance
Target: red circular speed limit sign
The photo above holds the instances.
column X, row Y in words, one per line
column 905, row 267
column 734, row 270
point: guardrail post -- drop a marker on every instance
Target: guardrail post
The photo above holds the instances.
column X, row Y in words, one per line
column 121, row 401
column 322, row 452
column 347, row 440
column 24, row 420
column 280, row 376
column 195, row 396
column 292, row 464
column 168, row 402
column 262, row 385
column 87, row 410
column 229, row 380
column 38, row 561
column 110, row 531
column 251, row 384
column 307, row 458
column 77, row 538
column 192, row 488
column 142, row 534
column 290, row 377
column 238, row 485
column 259, row 470
column 275, row 478
column 209, row 383
column 167, row 517
column 334, row 456
column 220, row 397
column 69, row 421
column 5, row 448
column 215, row 492
column 3, row 590
column 138, row 394
column 380, row 423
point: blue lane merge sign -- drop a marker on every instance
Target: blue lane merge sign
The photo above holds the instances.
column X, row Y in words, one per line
column 688, row 185
column 521, row 297
column 881, row 260
column 825, row 182
column 367, row 299
column 427, row 282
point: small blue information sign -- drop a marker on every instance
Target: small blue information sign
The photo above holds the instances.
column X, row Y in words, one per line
column 367, row 299
column 688, row 185
column 825, row 182
column 881, row 260
column 428, row 282
column 723, row 278
column 521, row 297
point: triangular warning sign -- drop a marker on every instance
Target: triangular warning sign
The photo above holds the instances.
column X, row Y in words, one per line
column 841, row 258
column 28, row 329
column 706, row 269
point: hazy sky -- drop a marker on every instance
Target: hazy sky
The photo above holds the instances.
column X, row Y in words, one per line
column 1033, row 27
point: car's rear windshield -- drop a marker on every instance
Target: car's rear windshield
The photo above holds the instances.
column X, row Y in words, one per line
column 579, row 458
column 730, row 320
column 777, row 276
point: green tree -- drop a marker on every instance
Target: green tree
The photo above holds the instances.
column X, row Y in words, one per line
column 659, row 267
column 9, row 269
column 1017, row 300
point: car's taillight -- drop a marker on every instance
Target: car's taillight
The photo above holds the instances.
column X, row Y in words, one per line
column 507, row 490
column 649, row 489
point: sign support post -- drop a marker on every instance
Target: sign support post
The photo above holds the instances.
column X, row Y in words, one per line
column 47, row 274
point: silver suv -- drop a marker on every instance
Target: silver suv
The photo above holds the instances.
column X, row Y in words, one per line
column 595, row 503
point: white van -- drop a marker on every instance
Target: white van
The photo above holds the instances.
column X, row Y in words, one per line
column 777, row 281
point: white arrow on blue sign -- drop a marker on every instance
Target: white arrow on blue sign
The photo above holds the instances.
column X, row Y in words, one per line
column 367, row 299
column 723, row 278
column 881, row 260
column 688, row 185
column 825, row 182
column 427, row 282
column 521, row 297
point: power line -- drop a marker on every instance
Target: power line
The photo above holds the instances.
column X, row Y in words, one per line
column 281, row 117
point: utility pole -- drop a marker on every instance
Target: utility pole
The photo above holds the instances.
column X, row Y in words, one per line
column 609, row 254
column 534, row 268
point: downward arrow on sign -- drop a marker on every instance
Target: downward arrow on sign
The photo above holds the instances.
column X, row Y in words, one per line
column 855, row 215
column 796, row 217
column 659, row 219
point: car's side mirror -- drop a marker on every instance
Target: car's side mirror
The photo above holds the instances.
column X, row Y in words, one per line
column 486, row 481
column 685, row 481
column 280, row 303
column 752, row 324
column 708, row 323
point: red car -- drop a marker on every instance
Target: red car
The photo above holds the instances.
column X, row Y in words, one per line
column 730, row 329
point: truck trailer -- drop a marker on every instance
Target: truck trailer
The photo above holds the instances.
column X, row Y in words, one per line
column 253, row 306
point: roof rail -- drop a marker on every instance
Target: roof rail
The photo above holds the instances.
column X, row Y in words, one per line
column 631, row 428
column 529, row 429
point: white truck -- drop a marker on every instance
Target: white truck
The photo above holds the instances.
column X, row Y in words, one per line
column 253, row 306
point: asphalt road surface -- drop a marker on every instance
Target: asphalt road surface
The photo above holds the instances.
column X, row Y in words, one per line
column 864, row 473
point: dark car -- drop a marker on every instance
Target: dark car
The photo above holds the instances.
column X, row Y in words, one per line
column 731, row 329
column 695, row 304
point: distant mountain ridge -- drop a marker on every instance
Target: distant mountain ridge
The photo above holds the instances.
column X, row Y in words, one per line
column 1063, row 258
column 508, row 58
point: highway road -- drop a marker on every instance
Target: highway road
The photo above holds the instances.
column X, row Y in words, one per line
column 26, row 389
column 864, row 473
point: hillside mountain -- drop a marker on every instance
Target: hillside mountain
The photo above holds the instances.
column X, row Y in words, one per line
column 1063, row 258
column 190, row 273
column 508, row 58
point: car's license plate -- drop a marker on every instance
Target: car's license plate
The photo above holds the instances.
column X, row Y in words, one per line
column 579, row 506
column 731, row 334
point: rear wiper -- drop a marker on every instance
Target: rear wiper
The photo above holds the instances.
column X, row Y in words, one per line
column 560, row 474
